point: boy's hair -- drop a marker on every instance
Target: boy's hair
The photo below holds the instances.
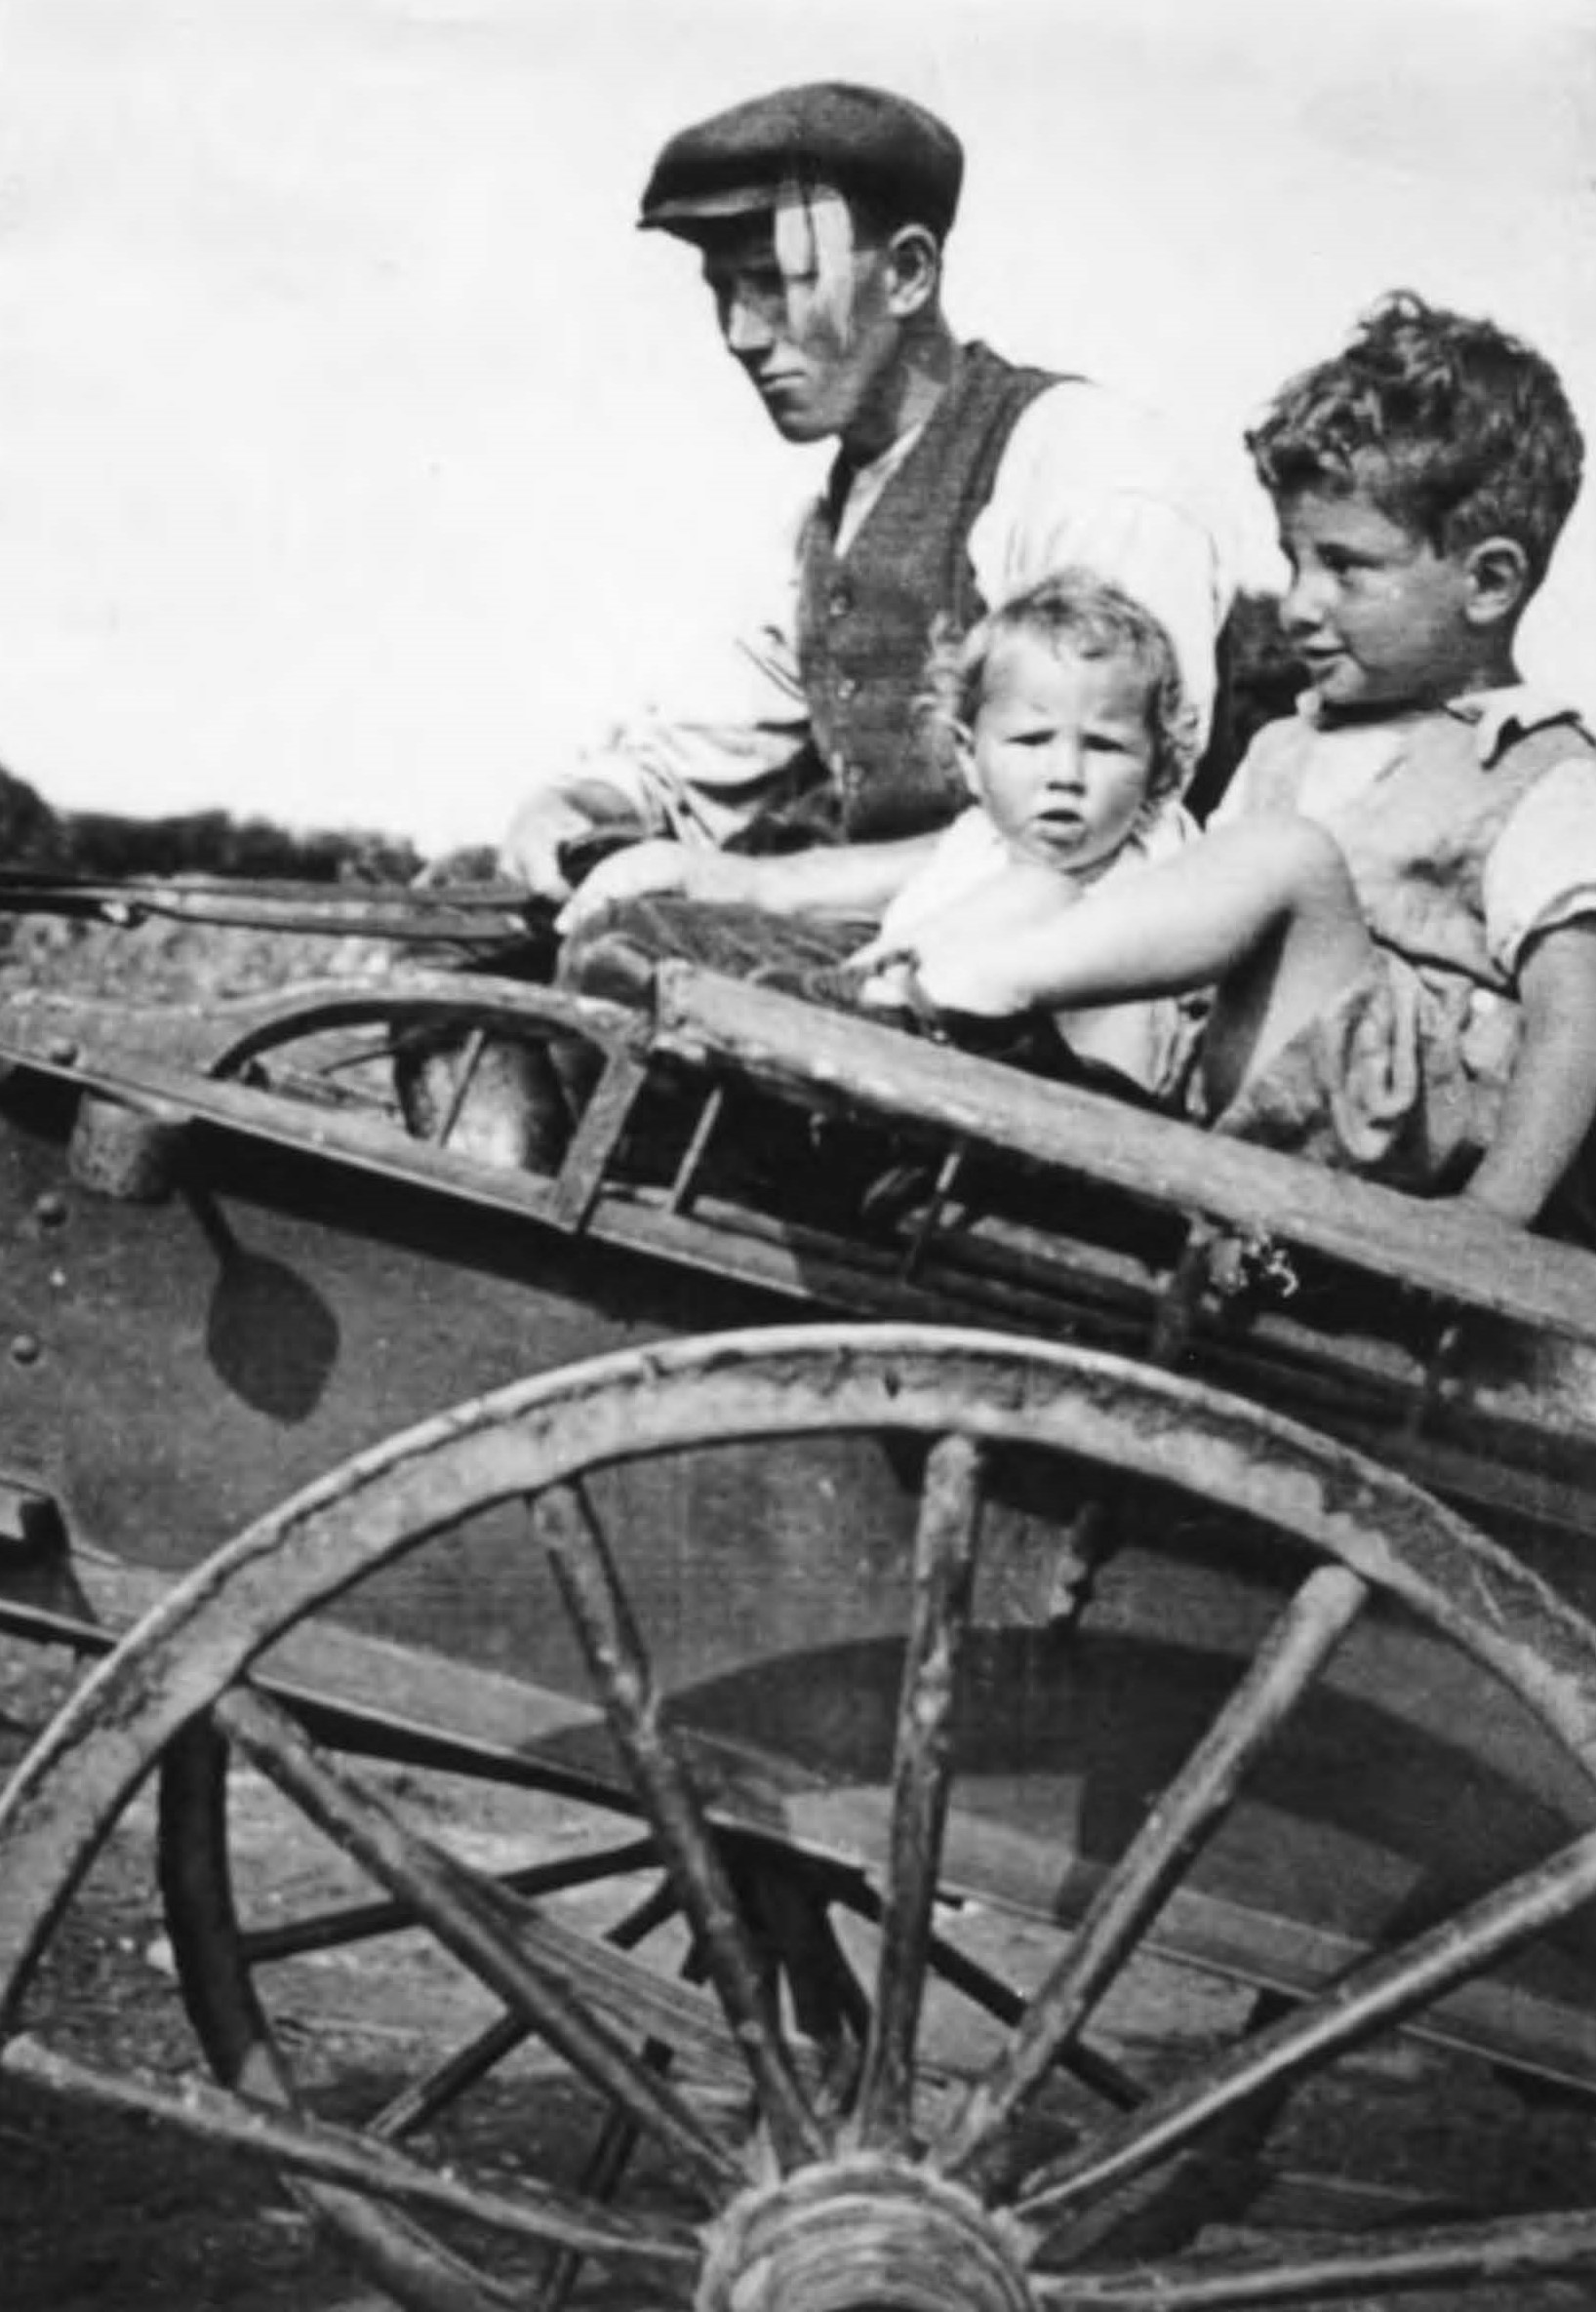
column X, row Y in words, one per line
column 1458, row 431
column 1073, row 609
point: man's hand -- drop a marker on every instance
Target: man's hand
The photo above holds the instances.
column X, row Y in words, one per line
column 530, row 851
column 647, row 868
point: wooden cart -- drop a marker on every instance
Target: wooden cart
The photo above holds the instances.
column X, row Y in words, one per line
column 913, row 1552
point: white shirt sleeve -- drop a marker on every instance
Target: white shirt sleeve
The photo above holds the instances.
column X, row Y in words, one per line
column 703, row 772
column 1087, row 478
column 1542, row 870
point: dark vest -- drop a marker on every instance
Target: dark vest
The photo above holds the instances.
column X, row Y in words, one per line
column 865, row 617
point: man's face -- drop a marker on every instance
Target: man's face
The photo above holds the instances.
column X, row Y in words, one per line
column 1375, row 615
column 814, row 360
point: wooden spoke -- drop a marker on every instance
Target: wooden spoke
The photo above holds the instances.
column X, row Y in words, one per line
column 1384, row 1991
column 1190, row 1810
column 622, row 1674
column 829, row 2003
column 944, row 1552
column 298, row 2145
column 330, row 1931
column 1514, row 2247
column 471, row 1060
column 984, row 1989
column 606, row 2165
column 418, row 2104
column 475, row 1920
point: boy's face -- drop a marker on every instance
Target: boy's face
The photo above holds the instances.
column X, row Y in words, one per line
column 1061, row 752
column 1378, row 617
column 814, row 373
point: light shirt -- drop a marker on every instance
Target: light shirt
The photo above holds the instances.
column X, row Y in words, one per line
column 1541, row 871
column 1146, row 1041
column 1085, row 478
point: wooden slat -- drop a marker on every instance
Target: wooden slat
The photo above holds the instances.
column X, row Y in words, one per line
column 37, row 1023
column 1461, row 1256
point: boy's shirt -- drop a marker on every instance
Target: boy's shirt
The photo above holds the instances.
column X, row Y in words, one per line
column 1538, row 869
column 1149, row 1042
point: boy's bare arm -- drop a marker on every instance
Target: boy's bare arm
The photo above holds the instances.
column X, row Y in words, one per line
column 1551, row 1102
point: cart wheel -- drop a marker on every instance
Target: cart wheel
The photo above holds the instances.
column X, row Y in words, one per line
column 472, row 1070
column 813, row 2136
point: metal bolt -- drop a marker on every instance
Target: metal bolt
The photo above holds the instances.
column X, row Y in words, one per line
column 26, row 1348
column 61, row 1050
column 50, row 1210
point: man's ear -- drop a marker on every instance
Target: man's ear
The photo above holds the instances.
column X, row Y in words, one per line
column 914, row 270
column 1499, row 579
column 964, row 754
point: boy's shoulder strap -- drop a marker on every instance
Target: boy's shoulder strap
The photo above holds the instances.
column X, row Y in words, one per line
column 1546, row 743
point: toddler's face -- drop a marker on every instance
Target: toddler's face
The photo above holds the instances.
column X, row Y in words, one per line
column 1374, row 612
column 1062, row 750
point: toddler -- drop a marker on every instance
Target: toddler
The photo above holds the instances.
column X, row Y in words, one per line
column 1064, row 709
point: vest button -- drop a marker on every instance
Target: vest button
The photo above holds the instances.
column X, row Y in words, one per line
column 840, row 601
column 846, row 687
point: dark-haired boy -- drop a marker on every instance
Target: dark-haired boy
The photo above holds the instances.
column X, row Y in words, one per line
column 1397, row 900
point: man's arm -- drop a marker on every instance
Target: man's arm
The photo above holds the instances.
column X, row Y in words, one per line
column 836, row 880
column 698, row 775
column 1550, row 1103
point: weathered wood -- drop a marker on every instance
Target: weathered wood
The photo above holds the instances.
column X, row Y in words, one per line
column 944, row 1558
column 622, row 1672
column 360, row 1922
column 1463, row 1257
column 105, row 1035
column 471, row 913
column 424, row 2099
column 581, row 1179
column 1189, row 1813
column 475, row 1919
column 300, row 2145
column 1383, row 1991
column 1514, row 2247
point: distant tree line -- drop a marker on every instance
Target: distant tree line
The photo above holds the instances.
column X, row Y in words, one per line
column 105, row 843
column 1261, row 685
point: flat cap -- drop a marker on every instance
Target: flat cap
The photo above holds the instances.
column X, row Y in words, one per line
column 827, row 131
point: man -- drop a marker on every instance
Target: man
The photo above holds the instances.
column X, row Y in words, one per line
column 819, row 214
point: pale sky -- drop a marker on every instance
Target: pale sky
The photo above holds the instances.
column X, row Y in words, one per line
column 356, row 453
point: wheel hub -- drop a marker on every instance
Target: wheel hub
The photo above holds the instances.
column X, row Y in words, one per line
column 866, row 2234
